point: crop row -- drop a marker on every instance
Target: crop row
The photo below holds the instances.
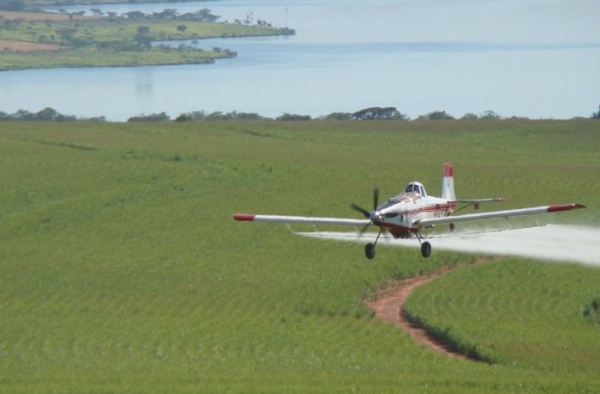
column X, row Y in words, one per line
column 122, row 270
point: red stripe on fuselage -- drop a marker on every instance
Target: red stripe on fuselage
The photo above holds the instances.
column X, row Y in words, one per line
column 400, row 231
column 431, row 208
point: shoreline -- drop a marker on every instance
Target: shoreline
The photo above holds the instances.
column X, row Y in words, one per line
column 83, row 42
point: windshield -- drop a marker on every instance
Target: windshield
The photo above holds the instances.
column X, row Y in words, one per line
column 415, row 187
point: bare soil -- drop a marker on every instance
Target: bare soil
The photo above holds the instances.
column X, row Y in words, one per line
column 389, row 307
column 40, row 16
column 22, row 46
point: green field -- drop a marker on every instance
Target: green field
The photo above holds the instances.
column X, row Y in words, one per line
column 122, row 270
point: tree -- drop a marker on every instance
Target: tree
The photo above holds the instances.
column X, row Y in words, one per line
column 596, row 115
column 66, row 33
column 436, row 115
column 45, row 114
column 339, row 116
column 469, row 116
column 490, row 115
column 293, row 117
column 379, row 113
column 143, row 37
column 168, row 13
column 135, row 14
column 161, row 117
column 203, row 15
column 51, row 114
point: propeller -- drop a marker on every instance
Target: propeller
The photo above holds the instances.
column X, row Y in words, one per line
column 366, row 213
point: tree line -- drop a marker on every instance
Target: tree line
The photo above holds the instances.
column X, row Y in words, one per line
column 202, row 15
column 46, row 114
column 372, row 113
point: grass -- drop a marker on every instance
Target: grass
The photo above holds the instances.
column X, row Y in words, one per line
column 121, row 269
column 97, row 58
column 518, row 312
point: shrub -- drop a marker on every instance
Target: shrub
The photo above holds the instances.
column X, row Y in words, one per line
column 592, row 310
column 161, row 117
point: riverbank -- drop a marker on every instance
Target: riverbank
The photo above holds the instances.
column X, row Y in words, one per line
column 43, row 40
column 29, row 4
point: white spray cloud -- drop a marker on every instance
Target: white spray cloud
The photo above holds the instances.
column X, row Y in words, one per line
column 567, row 243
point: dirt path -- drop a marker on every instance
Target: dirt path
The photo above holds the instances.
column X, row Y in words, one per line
column 390, row 303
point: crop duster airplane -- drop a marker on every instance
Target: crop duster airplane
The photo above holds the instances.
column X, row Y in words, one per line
column 412, row 212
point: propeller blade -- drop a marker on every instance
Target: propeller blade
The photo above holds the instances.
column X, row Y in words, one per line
column 364, row 229
column 375, row 199
column 365, row 213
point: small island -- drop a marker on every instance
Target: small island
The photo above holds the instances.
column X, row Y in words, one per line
column 31, row 39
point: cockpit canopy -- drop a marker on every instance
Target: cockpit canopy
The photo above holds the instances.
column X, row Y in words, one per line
column 415, row 187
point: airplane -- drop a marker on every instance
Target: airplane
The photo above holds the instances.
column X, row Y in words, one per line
column 412, row 212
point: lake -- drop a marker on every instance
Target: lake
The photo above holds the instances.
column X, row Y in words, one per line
column 529, row 58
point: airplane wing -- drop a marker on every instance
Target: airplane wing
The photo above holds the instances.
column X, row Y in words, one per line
column 247, row 217
column 498, row 214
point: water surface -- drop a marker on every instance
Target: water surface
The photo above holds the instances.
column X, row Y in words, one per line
column 528, row 58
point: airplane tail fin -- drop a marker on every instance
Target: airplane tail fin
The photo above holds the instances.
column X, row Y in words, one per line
column 448, row 183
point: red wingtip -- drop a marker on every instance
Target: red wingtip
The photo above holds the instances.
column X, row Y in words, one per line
column 448, row 172
column 565, row 207
column 243, row 217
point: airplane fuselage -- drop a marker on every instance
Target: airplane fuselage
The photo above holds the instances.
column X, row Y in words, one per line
column 400, row 214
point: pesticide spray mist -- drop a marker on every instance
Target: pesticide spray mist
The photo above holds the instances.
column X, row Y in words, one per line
column 566, row 243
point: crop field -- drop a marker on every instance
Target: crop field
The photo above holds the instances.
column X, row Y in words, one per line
column 122, row 270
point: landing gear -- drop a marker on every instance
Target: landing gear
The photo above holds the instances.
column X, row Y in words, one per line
column 425, row 249
column 370, row 251
column 370, row 247
column 425, row 246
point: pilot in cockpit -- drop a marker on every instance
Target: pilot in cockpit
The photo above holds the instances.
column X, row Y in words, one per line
column 415, row 187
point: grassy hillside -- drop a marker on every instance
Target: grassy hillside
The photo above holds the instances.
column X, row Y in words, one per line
column 121, row 269
column 46, row 40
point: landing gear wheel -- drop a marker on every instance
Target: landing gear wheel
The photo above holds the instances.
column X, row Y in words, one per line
column 425, row 249
column 370, row 251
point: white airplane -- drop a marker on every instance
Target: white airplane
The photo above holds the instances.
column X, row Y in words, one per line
column 408, row 214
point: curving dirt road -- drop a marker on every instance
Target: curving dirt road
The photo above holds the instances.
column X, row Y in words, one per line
column 389, row 307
